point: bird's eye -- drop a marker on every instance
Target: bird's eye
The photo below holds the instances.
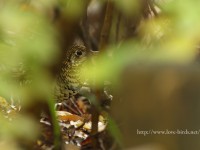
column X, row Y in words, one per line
column 78, row 53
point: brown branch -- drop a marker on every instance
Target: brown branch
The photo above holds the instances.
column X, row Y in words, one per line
column 106, row 25
column 85, row 32
column 105, row 32
column 103, row 42
column 85, row 26
column 95, row 118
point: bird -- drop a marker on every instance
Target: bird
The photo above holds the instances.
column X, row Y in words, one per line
column 68, row 81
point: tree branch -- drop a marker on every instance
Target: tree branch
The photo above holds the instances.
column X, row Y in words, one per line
column 106, row 25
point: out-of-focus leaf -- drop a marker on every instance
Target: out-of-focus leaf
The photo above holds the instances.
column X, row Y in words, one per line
column 26, row 36
column 72, row 8
column 170, row 38
column 178, row 51
column 27, row 39
column 115, row 132
column 21, row 127
column 186, row 24
column 129, row 7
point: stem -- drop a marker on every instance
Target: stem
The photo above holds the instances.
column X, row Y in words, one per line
column 105, row 32
column 56, row 128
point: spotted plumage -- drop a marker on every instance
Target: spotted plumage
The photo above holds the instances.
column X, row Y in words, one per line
column 69, row 82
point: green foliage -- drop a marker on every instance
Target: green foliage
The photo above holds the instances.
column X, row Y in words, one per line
column 114, row 130
column 170, row 38
column 72, row 8
column 27, row 39
column 28, row 46
column 129, row 7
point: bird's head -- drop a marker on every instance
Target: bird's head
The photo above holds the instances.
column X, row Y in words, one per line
column 77, row 55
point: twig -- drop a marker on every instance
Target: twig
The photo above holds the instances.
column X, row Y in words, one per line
column 95, row 119
column 85, row 27
column 56, row 127
column 97, row 91
column 85, row 32
column 106, row 25
column 76, row 106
